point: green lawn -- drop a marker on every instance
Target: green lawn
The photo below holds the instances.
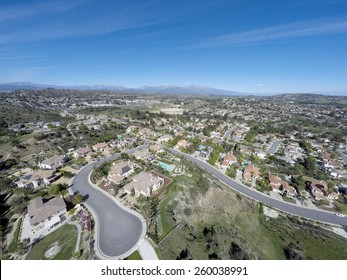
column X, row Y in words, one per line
column 134, row 256
column 66, row 236
column 342, row 207
column 165, row 220
column 14, row 243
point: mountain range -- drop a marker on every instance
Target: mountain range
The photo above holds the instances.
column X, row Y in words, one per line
column 164, row 89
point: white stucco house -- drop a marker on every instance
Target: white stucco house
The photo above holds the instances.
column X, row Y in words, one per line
column 45, row 215
column 144, row 183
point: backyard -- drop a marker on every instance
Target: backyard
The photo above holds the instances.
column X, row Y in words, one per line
column 65, row 238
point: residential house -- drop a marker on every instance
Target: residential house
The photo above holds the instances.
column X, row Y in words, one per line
column 119, row 144
column 275, row 182
column 129, row 141
column 181, row 144
column 228, row 160
column 144, row 184
column 318, row 189
column 215, row 134
column 54, row 162
column 46, row 214
column 288, row 190
column 250, row 171
column 100, row 147
column 323, row 185
column 146, row 132
column 120, row 171
column 179, row 132
column 156, row 148
column 82, row 152
column 204, row 151
column 318, row 194
column 131, row 129
column 141, row 154
column 261, row 154
column 47, row 176
column 29, row 180
column 164, row 138
column 281, row 186
column 245, row 150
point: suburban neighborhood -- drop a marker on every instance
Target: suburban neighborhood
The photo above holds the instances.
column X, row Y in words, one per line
column 157, row 162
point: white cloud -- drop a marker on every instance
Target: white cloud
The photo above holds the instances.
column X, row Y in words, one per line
column 83, row 18
column 29, row 10
column 276, row 33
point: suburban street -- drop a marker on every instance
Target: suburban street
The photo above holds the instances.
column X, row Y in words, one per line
column 227, row 134
column 301, row 211
column 118, row 230
column 274, row 146
column 343, row 156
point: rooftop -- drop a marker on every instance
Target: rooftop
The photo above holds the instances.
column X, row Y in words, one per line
column 39, row 211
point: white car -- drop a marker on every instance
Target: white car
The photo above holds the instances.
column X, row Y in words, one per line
column 339, row 215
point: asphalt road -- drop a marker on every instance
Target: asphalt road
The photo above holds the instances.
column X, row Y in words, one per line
column 274, row 146
column 227, row 134
column 118, row 230
column 343, row 156
column 301, row 211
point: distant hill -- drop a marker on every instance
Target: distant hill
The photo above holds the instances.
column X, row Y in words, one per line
column 144, row 89
column 163, row 89
column 33, row 86
column 186, row 90
column 17, row 86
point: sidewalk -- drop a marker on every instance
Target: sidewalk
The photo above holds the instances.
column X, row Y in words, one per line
column 146, row 250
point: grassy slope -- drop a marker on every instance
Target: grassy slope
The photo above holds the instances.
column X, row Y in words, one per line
column 239, row 221
column 27, row 114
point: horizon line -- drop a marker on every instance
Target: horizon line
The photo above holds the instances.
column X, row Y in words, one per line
column 55, row 86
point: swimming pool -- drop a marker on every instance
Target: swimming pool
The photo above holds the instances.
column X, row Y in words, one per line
column 245, row 164
column 166, row 166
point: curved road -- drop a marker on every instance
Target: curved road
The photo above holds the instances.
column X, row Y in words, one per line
column 301, row 211
column 118, row 229
column 274, row 146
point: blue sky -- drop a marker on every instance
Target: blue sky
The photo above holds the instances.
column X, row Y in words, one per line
column 245, row 46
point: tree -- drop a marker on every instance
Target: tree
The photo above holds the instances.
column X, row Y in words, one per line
column 57, row 189
column 5, row 184
column 77, row 199
column 154, row 203
column 124, row 156
column 132, row 192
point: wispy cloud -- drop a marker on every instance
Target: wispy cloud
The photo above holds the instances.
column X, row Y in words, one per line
column 19, row 57
column 89, row 19
column 277, row 33
column 33, row 9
